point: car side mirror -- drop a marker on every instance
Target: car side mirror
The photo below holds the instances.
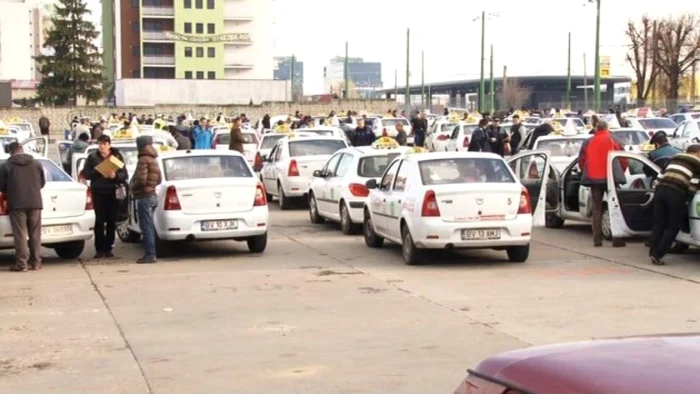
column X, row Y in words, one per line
column 319, row 174
column 371, row 184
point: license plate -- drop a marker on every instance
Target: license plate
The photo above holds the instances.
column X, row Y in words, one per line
column 56, row 231
column 219, row 225
column 481, row 234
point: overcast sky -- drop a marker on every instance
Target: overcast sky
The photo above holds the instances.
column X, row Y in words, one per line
column 525, row 41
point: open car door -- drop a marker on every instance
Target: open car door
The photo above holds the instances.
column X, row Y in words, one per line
column 37, row 146
column 533, row 170
column 630, row 194
column 63, row 150
column 78, row 165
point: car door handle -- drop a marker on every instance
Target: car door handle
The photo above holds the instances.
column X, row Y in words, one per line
column 384, row 200
column 399, row 201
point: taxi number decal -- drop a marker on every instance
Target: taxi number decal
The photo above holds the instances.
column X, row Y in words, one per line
column 510, row 201
column 392, row 208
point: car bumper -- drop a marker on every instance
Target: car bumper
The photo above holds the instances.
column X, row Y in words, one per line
column 81, row 229
column 296, row 186
column 356, row 210
column 436, row 234
column 175, row 226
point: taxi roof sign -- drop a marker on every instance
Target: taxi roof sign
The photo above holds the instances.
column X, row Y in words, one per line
column 385, row 143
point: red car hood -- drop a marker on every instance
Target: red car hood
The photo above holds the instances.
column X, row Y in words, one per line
column 669, row 364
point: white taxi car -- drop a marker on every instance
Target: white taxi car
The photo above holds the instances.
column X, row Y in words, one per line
column 439, row 135
column 452, row 200
column 289, row 168
column 325, row 131
column 687, row 133
column 222, row 140
column 652, row 125
column 563, row 149
column 25, row 129
column 265, row 144
column 205, row 195
column 67, row 219
column 389, row 125
column 127, row 148
column 459, row 139
column 338, row 191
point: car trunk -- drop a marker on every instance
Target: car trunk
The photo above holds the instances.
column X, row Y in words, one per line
column 216, row 195
column 477, row 201
column 63, row 200
column 308, row 164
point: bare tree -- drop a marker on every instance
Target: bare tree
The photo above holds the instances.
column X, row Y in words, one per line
column 678, row 47
column 642, row 50
column 513, row 94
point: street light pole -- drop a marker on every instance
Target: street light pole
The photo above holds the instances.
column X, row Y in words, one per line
column 291, row 77
column 596, row 87
column 346, row 94
column 482, row 84
column 585, row 83
column 396, row 84
column 422, row 78
column 492, row 93
column 407, row 104
column 568, row 77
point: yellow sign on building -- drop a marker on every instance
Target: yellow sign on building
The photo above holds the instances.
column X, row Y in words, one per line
column 604, row 66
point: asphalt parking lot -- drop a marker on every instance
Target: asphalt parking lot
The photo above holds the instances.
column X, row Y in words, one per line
column 319, row 312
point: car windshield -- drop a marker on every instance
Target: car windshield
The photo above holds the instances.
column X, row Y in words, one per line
column 464, row 170
column 324, row 133
column 205, row 167
column 23, row 126
column 5, row 141
column 269, row 141
column 315, row 147
column 560, row 146
column 248, row 138
column 447, row 126
column 631, row 137
column 374, row 166
column 393, row 122
column 52, row 173
column 657, row 124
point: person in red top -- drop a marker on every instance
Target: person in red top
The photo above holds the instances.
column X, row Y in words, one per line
column 593, row 161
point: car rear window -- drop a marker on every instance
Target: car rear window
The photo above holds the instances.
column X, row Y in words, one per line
column 374, row 166
column 315, row 147
column 324, row 133
column 657, row 123
column 269, row 141
column 464, row 170
column 248, row 138
column 205, row 167
column 394, row 122
column 695, row 116
column 447, row 126
column 52, row 173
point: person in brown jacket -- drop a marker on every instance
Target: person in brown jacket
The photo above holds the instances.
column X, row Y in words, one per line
column 237, row 139
column 143, row 189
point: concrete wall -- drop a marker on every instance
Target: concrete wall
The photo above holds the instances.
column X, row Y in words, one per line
column 148, row 92
column 61, row 117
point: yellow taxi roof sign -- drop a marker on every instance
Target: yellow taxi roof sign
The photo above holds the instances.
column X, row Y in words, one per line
column 385, row 143
column 417, row 149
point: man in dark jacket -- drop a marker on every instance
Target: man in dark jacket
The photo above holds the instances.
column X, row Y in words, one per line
column 21, row 181
column 480, row 139
column 236, row 140
column 183, row 143
column 419, row 128
column 104, row 198
column 496, row 137
column 664, row 151
column 44, row 125
column 540, row 131
column 143, row 189
column 401, row 136
column 363, row 136
column 517, row 135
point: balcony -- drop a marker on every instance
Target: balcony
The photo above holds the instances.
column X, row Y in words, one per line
column 237, row 18
column 156, row 36
column 158, row 12
column 237, row 65
column 159, row 61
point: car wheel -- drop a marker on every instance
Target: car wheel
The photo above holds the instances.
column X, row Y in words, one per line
column 313, row 210
column 518, row 254
column 605, row 225
column 553, row 220
column 346, row 224
column 127, row 236
column 285, row 202
column 371, row 238
column 69, row 250
column 678, row 248
column 257, row 244
column 411, row 254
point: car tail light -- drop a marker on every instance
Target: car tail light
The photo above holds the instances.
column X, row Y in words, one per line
column 465, row 143
column 293, row 169
column 172, row 202
column 89, row 206
column 442, row 137
column 258, row 160
column 260, row 196
column 359, row 190
column 3, row 205
column 430, row 205
column 525, row 207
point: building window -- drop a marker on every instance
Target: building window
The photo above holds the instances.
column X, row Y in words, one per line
column 188, row 3
column 153, row 50
column 188, row 74
column 188, row 51
column 200, row 28
column 200, row 52
column 152, row 25
column 211, row 75
column 200, row 74
column 211, row 52
column 198, row 4
column 188, row 27
column 210, row 4
column 135, row 3
column 136, row 73
column 136, row 51
column 135, row 26
column 211, row 29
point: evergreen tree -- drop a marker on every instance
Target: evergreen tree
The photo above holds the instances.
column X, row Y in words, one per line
column 73, row 68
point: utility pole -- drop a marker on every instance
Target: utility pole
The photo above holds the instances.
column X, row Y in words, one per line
column 396, row 84
column 596, row 87
column 482, row 85
column 422, row 78
column 346, row 70
column 503, row 84
column 568, row 77
column 492, row 92
column 585, row 83
column 291, row 77
column 407, row 104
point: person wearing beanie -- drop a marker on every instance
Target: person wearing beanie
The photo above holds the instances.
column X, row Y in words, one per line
column 143, row 189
